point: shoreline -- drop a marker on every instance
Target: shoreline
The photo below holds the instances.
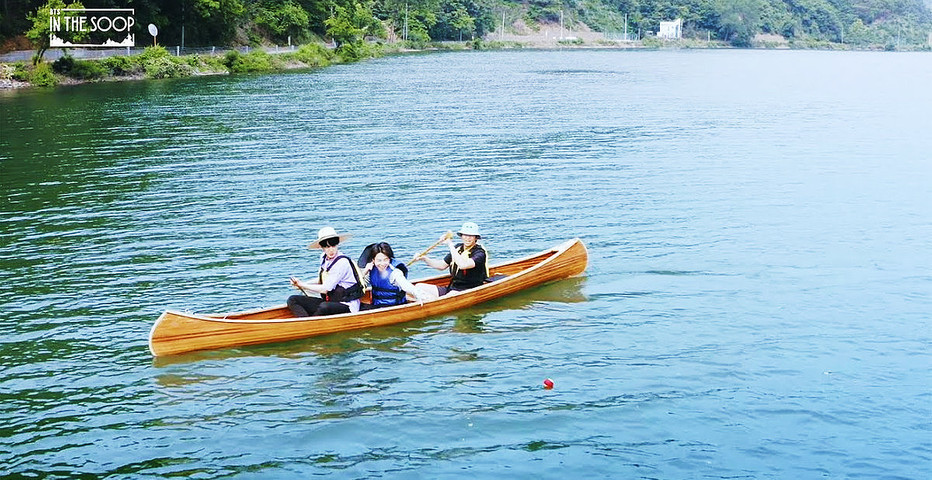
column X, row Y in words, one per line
column 10, row 84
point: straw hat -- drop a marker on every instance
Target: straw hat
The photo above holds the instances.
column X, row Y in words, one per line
column 325, row 234
column 469, row 228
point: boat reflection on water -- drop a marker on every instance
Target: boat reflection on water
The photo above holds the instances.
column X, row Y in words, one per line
column 394, row 338
column 564, row 291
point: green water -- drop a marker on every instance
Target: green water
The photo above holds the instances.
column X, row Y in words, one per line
column 756, row 304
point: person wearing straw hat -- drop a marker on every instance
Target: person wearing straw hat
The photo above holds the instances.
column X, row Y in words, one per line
column 466, row 261
column 337, row 282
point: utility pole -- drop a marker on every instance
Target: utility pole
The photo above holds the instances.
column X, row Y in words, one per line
column 561, row 24
column 501, row 36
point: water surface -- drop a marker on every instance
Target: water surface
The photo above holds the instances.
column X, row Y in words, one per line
column 756, row 304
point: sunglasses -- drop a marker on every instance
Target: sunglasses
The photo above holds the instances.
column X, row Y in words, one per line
column 330, row 242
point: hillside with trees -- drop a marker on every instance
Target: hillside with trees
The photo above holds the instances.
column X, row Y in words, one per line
column 888, row 24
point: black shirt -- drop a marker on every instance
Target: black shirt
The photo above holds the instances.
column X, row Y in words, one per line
column 473, row 277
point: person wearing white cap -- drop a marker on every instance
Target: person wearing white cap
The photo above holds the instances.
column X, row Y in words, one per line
column 466, row 261
column 337, row 283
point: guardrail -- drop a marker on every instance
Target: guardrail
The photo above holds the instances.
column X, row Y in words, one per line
column 95, row 53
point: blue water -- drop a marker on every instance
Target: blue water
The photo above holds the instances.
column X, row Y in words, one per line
column 757, row 302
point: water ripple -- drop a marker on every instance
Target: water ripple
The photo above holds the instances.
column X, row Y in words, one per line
column 756, row 304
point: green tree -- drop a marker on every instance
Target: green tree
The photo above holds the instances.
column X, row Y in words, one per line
column 283, row 20
column 423, row 19
column 218, row 19
column 233, row 22
column 739, row 20
column 41, row 30
column 351, row 25
column 774, row 17
column 461, row 22
column 818, row 18
column 13, row 17
column 859, row 34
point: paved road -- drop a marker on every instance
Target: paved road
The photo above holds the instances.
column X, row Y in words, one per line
column 56, row 53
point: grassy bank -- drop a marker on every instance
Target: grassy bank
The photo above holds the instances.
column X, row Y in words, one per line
column 156, row 62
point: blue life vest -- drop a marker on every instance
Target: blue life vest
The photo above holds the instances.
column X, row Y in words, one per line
column 383, row 292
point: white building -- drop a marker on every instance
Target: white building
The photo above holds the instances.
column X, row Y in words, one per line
column 672, row 29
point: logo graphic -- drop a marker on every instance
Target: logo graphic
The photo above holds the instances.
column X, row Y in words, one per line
column 92, row 27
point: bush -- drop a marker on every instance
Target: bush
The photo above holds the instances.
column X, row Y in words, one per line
column 43, row 76
column 651, row 42
column 21, row 72
column 350, row 52
column 158, row 63
column 63, row 64
column 256, row 61
column 205, row 63
column 166, row 67
column 153, row 53
column 212, row 63
column 413, row 43
column 312, row 54
column 120, row 66
column 495, row 45
column 382, row 48
column 353, row 52
column 230, row 58
column 571, row 42
column 193, row 61
column 79, row 69
column 88, row 70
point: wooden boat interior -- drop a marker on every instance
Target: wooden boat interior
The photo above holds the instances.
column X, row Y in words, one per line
column 505, row 269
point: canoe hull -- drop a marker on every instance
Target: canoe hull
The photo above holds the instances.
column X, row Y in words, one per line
column 176, row 332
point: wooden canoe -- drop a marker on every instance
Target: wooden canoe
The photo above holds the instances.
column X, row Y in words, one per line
column 177, row 332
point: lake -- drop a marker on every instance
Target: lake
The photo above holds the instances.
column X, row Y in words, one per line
column 757, row 302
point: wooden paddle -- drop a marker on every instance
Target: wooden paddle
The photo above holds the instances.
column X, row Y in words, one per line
column 446, row 236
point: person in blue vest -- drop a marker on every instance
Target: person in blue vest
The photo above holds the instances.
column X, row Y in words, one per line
column 466, row 261
column 387, row 277
column 337, row 281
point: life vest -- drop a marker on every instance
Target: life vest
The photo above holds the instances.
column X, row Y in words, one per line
column 340, row 293
column 472, row 277
column 383, row 292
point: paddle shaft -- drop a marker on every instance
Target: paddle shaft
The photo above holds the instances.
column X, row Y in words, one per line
column 446, row 237
column 293, row 282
